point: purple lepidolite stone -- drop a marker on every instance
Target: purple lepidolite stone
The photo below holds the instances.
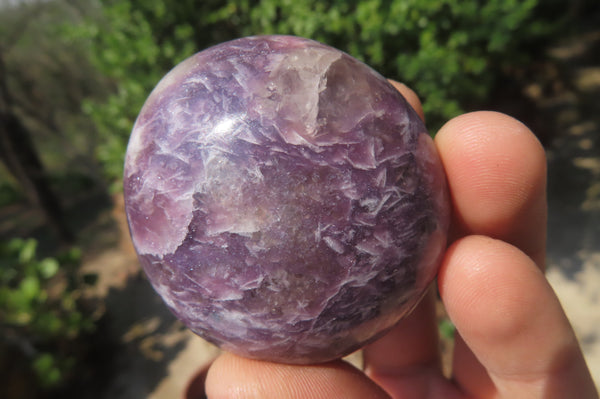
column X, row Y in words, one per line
column 284, row 199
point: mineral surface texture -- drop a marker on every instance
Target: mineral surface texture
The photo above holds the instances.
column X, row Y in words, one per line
column 284, row 199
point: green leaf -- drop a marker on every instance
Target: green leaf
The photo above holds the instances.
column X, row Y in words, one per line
column 49, row 324
column 47, row 369
column 48, row 267
column 30, row 287
column 27, row 253
column 447, row 329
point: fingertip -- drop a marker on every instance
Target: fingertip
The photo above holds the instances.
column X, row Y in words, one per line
column 480, row 129
column 489, row 288
column 511, row 320
column 233, row 377
column 496, row 169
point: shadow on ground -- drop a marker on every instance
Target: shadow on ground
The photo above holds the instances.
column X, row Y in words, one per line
column 572, row 107
column 145, row 338
column 574, row 153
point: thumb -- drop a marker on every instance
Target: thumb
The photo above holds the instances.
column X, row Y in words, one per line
column 233, row 377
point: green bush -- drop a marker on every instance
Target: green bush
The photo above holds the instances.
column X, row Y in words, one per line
column 450, row 51
column 40, row 311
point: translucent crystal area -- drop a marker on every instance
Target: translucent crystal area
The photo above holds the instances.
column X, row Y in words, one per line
column 284, row 199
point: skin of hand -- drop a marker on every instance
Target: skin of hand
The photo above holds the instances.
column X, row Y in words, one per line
column 512, row 338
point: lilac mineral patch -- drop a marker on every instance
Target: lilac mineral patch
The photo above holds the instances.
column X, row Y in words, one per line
column 284, row 199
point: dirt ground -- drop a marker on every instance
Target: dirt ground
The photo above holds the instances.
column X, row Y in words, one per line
column 574, row 189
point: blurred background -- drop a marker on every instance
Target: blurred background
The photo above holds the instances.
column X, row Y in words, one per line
column 78, row 319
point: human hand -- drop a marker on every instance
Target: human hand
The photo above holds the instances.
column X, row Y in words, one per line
column 513, row 339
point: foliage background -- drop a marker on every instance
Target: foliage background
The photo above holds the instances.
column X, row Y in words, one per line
column 453, row 53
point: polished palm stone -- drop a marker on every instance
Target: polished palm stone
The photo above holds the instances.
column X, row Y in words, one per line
column 284, row 199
